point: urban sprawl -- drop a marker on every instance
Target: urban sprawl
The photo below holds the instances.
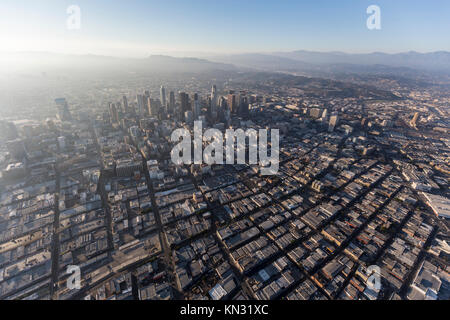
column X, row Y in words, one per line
column 363, row 181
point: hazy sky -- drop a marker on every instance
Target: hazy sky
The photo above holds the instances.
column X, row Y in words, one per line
column 139, row 28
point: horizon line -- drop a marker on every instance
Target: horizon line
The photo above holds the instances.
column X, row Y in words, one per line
column 210, row 54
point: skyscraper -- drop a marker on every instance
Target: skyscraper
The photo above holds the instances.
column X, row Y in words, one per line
column 189, row 117
column 147, row 100
column 149, row 106
column 154, row 107
column 242, row 101
column 232, row 105
column 197, row 109
column 184, row 102
column 213, row 99
column 125, row 104
column 63, row 109
column 171, row 102
column 140, row 104
column 244, row 106
column 114, row 113
column 334, row 119
column 162, row 92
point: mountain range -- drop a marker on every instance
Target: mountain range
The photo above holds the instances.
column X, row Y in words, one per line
column 300, row 62
column 311, row 61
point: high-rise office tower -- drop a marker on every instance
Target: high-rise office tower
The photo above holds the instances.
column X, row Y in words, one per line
column 232, row 104
column 242, row 102
column 222, row 107
column 140, row 104
column 184, row 102
column 197, row 109
column 171, row 102
column 147, row 102
column 125, row 104
column 222, row 103
column 324, row 117
column 162, row 92
column 188, row 117
column 334, row 119
column 155, row 107
column 149, row 106
column 114, row 113
column 63, row 109
column 243, row 106
column 213, row 99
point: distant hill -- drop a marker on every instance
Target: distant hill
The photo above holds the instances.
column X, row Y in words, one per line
column 52, row 62
column 311, row 62
column 431, row 61
column 426, row 67
column 260, row 61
